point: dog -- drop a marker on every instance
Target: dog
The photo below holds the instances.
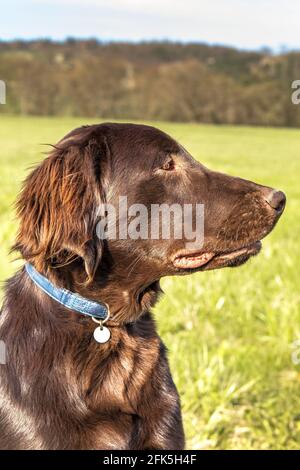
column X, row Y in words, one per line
column 61, row 389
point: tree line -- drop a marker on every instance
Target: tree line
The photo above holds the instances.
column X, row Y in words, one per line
column 149, row 80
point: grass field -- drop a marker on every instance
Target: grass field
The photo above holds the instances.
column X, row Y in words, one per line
column 229, row 332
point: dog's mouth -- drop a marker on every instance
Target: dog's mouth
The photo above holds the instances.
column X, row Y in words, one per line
column 214, row 260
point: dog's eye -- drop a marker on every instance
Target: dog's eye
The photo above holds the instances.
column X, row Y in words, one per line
column 169, row 165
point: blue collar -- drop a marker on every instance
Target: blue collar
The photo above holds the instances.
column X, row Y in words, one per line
column 67, row 298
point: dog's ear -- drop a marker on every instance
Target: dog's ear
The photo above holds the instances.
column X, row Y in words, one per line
column 59, row 204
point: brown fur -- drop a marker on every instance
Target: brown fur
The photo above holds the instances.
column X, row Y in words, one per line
column 60, row 389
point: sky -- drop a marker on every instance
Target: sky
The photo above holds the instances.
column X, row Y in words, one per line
column 246, row 24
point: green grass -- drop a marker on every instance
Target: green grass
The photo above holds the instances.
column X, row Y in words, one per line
column 229, row 332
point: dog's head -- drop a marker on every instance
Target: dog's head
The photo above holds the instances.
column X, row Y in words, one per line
column 171, row 214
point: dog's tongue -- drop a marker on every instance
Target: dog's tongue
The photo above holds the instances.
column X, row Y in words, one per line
column 192, row 261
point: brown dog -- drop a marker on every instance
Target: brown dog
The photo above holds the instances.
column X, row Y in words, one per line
column 60, row 389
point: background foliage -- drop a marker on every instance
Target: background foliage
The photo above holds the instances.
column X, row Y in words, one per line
column 158, row 80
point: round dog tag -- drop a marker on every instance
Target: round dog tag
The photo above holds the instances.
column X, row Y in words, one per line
column 101, row 334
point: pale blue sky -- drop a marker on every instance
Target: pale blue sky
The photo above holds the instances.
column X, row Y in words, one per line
column 248, row 24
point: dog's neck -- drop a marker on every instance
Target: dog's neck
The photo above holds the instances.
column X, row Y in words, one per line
column 127, row 297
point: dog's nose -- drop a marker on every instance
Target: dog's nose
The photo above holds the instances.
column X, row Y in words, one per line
column 276, row 199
